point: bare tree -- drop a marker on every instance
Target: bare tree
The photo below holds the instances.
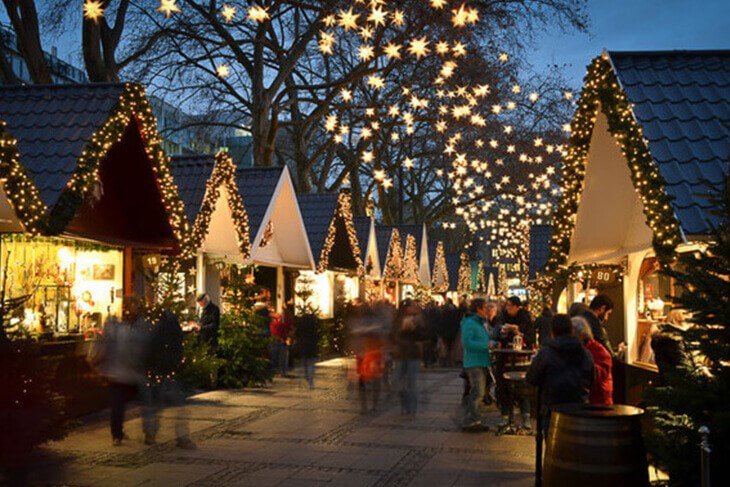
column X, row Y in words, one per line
column 24, row 19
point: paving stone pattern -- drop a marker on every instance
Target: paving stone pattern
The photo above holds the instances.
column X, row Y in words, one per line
column 287, row 435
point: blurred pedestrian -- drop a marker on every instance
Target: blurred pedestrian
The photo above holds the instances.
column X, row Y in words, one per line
column 599, row 310
column 448, row 330
column 407, row 332
column 210, row 322
column 517, row 321
column 542, row 323
column 282, row 325
column 307, row 337
column 164, row 382
column 601, row 391
column 562, row 369
column 124, row 361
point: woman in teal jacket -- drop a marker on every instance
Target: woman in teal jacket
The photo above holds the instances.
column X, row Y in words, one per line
column 475, row 339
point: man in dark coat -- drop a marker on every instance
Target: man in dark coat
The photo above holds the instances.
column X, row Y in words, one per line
column 517, row 316
column 600, row 309
column 210, row 321
column 449, row 328
column 563, row 369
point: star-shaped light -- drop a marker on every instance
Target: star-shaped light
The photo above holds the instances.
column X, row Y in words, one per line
column 228, row 12
column 223, row 71
column 419, row 47
column 376, row 82
column 366, row 33
column 377, row 16
column 394, row 111
column 347, row 20
column 168, row 7
column 330, row 123
column 366, row 52
column 330, row 20
column 408, row 163
column 387, row 183
column 368, row 156
column 442, row 47
column 257, row 13
column 326, row 41
column 459, row 49
column 392, row 51
column 504, row 57
column 533, row 97
column 399, row 19
column 366, row 133
column 438, row 4
column 93, row 10
column 345, row 94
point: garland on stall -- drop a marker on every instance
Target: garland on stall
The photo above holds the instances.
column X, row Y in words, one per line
column 464, row 284
column 410, row 261
column 602, row 90
column 223, row 176
column 344, row 212
column 19, row 188
column 440, row 281
column 132, row 106
column 394, row 261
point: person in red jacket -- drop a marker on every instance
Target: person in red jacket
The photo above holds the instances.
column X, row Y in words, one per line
column 601, row 391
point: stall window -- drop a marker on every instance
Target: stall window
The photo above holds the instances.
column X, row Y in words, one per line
column 656, row 294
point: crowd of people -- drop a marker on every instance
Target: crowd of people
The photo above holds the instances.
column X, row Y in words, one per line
column 567, row 356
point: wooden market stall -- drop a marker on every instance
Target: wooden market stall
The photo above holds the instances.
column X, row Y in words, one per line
column 215, row 211
column 86, row 175
column 333, row 238
column 279, row 244
column 370, row 283
column 649, row 140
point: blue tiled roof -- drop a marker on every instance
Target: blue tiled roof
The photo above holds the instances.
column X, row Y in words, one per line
column 191, row 174
column 318, row 210
column 257, row 186
column 53, row 124
column 682, row 101
column 539, row 248
column 362, row 229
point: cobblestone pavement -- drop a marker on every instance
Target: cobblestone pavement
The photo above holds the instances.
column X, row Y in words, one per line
column 287, row 435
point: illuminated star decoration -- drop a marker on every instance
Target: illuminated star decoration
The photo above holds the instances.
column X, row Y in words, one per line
column 168, row 7
column 93, row 10
column 257, row 13
column 222, row 71
column 228, row 12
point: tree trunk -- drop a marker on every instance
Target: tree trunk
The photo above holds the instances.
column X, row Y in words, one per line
column 91, row 43
column 24, row 17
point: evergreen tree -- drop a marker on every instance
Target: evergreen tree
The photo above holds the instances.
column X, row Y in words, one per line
column 696, row 391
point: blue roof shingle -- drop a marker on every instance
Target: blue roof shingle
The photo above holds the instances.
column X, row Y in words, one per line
column 682, row 101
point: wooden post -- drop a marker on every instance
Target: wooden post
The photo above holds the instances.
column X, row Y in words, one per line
column 128, row 271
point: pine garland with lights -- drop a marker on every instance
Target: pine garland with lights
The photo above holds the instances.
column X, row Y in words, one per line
column 410, row 261
column 464, row 283
column 394, row 261
column 602, row 90
column 131, row 107
column 440, row 270
column 19, row 188
column 223, row 176
column 344, row 212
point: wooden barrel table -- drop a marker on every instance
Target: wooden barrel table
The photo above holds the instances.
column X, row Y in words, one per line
column 595, row 446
